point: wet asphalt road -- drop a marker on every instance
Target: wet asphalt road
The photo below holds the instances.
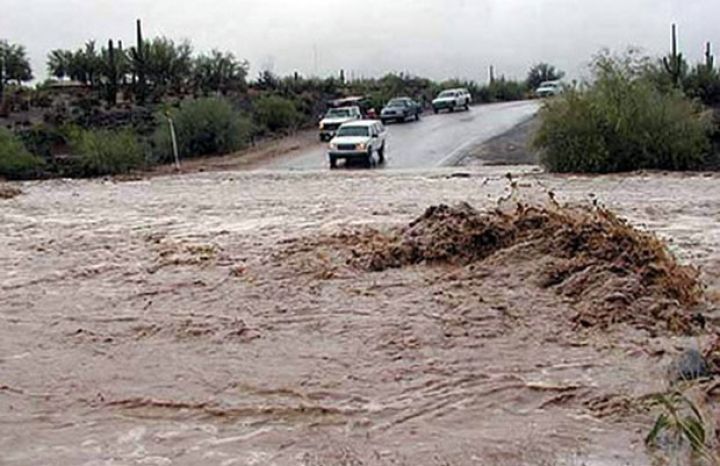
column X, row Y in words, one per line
column 436, row 140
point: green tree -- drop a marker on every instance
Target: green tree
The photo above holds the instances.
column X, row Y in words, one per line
column 59, row 63
column 542, row 72
column 219, row 73
column 14, row 66
column 168, row 66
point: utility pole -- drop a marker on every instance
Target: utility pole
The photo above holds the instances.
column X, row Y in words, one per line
column 173, row 138
column 315, row 60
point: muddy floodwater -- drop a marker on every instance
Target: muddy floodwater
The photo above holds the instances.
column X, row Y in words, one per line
column 202, row 320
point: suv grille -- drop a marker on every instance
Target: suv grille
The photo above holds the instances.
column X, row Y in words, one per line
column 346, row 146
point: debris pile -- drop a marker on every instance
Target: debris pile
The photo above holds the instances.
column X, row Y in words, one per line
column 8, row 192
column 613, row 271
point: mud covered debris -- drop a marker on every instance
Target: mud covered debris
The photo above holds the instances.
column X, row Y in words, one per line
column 613, row 271
column 9, row 192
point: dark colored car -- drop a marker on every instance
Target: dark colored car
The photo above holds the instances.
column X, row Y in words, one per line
column 400, row 109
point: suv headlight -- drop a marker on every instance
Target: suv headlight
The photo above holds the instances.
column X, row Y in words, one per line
column 321, row 126
column 332, row 146
column 361, row 146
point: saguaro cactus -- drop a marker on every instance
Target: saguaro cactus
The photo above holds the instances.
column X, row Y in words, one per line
column 112, row 74
column 3, row 111
column 122, row 64
column 709, row 58
column 139, row 56
column 675, row 62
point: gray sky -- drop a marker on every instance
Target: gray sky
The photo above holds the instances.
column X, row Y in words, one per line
column 435, row 38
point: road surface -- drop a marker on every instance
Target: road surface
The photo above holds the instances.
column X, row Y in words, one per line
column 437, row 140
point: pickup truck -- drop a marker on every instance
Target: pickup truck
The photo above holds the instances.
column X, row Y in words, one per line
column 334, row 118
column 359, row 140
column 452, row 99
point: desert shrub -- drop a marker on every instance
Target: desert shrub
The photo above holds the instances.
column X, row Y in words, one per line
column 622, row 122
column 506, row 90
column 276, row 113
column 703, row 83
column 207, row 126
column 106, row 152
column 16, row 162
column 40, row 140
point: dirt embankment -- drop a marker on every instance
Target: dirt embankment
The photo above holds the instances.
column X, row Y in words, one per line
column 511, row 148
column 614, row 272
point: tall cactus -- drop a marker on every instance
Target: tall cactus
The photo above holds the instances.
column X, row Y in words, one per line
column 3, row 110
column 112, row 74
column 709, row 58
column 122, row 64
column 675, row 62
column 139, row 55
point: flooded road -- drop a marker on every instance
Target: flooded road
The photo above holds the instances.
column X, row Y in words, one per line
column 203, row 319
column 436, row 140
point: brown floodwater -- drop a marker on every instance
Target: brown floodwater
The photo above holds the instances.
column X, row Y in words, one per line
column 202, row 319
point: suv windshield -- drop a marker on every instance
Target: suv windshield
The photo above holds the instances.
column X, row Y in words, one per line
column 445, row 94
column 339, row 113
column 397, row 103
column 353, row 131
column 549, row 84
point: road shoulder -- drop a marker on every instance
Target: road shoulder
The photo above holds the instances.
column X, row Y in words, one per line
column 509, row 148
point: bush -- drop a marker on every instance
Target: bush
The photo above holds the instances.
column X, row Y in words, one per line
column 504, row 90
column 206, row 126
column 16, row 162
column 276, row 113
column 704, row 84
column 107, row 152
column 40, row 140
column 622, row 122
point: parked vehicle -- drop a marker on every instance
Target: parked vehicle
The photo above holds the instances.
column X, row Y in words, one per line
column 359, row 140
column 400, row 109
column 549, row 89
column 452, row 99
column 362, row 102
column 334, row 118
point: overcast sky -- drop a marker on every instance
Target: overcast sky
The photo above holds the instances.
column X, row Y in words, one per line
column 435, row 38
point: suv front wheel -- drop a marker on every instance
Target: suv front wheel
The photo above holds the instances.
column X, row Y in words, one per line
column 369, row 159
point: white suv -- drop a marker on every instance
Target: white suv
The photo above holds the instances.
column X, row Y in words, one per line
column 452, row 99
column 359, row 140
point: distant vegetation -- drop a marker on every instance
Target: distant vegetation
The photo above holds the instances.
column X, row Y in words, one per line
column 622, row 122
column 636, row 113
column 14, row 68
column 102, row 98
column 542, row 72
